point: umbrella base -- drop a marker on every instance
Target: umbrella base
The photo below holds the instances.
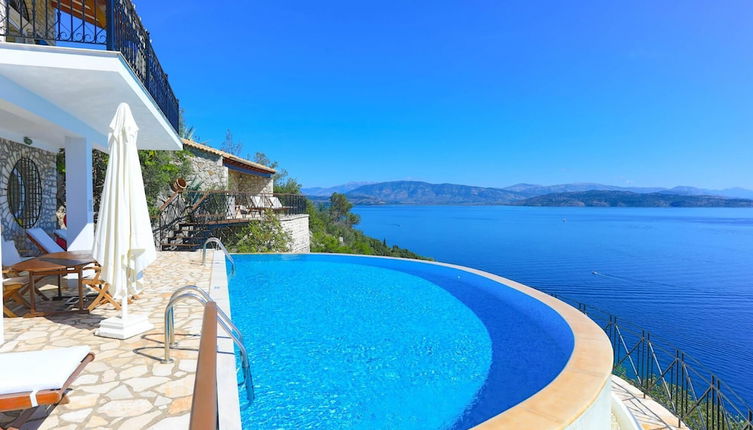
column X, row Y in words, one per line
column 119, row 328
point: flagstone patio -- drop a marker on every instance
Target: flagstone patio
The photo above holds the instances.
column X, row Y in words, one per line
column 126, row 386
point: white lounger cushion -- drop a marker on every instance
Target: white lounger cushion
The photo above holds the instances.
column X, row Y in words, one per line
column 44, row 240
column 21, row 372
column 276, row 203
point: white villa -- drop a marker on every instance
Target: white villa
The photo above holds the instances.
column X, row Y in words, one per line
column 55, row 96
column 65, row 67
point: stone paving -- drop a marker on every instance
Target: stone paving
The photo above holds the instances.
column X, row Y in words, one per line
column 126, row 386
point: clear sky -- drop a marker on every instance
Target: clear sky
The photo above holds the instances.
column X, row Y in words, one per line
column 481, row 92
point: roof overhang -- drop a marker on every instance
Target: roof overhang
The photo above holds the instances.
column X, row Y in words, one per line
column 245, row 168
column 48, row 93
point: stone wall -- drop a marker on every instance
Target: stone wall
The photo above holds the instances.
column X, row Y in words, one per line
column 246, row 183
column 298, row 228
column 42, row 21
column 208, row 171
column 10, row 152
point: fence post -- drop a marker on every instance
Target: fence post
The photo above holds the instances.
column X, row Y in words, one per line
column 111, row 25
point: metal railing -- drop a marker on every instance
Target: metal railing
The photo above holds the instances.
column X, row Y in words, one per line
column 694, row 394
column 199, row 211
column 192, row 292
column 111, row 24
column 219, row 244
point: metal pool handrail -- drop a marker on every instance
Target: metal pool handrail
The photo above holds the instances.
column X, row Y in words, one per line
column 195, row 293
column 193, row 289
column 221, row 247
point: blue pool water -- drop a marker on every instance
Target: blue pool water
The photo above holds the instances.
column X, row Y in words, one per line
column 685, row 274
column 341, row 342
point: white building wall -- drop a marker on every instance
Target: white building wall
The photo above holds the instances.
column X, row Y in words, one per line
column 297, row 226
column 599, row 415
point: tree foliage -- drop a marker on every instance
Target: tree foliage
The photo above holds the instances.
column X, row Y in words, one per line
column 186, row 131
column 230, row 145
column 160, row 169
column 264, row 235
column 283, row 183
column 332, row 231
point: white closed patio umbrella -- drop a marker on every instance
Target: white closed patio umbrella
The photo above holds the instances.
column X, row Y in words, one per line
column 123, row 241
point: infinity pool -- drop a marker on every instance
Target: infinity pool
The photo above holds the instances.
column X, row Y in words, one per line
column 360, row 342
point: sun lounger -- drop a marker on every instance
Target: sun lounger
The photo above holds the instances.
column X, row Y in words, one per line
column 276, row 205
column 38, row 378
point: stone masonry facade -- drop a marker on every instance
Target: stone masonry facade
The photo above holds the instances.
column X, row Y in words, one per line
column 10, row 153
column 246, row 183
column 297, row 226
column 208, row 171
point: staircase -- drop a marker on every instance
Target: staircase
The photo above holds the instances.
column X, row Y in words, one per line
column 188, row 218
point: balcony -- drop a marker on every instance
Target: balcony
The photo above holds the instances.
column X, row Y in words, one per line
column 112, row 25
column 188, row 218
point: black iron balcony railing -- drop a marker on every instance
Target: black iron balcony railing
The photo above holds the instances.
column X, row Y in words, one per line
column 111, row 24
column 697, row 397
column 189, row 214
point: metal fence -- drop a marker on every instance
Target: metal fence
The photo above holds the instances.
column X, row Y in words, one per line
column 209, row 209
column 679, row 382
column 112, row 24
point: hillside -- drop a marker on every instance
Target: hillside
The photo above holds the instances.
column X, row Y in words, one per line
column 327, row 191
column 631, row 199
column 423, row 193
column 576, row 194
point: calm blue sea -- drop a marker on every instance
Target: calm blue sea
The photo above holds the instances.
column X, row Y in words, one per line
column 685, row 274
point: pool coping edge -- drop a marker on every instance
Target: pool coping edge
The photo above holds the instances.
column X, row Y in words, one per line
column 228, row 401
column 570, row 395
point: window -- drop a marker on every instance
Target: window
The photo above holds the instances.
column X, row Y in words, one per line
column 25, row 193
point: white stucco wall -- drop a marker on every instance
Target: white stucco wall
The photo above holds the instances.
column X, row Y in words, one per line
column 599, row 415
column 298, row 228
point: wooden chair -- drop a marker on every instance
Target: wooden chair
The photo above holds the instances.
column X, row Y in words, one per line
column 11, row 257
column 38, row 378
column 101, row 288
column 12, row 290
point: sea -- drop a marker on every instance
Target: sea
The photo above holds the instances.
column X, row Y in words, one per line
column 683, row 274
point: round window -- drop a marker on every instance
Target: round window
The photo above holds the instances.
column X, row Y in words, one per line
column 25, row 193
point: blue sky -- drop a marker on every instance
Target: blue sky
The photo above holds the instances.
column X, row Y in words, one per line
column 482, row 92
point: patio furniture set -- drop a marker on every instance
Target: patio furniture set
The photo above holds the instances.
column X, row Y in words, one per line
column 20, row 277
column 42, row 378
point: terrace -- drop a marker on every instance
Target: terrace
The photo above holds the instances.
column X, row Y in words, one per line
column 127, row 386
column 112, row 25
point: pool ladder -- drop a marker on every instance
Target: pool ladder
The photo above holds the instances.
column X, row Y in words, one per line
column 192, row 292
column 221, row 247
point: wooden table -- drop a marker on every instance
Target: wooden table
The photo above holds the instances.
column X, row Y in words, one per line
column 59, row 263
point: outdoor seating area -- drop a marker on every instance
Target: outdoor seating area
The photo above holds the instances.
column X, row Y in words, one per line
column 125, row 386
column 78, row 269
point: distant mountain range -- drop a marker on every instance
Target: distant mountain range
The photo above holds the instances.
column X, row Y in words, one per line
column 327, row 191
column 577, row 194
column 630, row 199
